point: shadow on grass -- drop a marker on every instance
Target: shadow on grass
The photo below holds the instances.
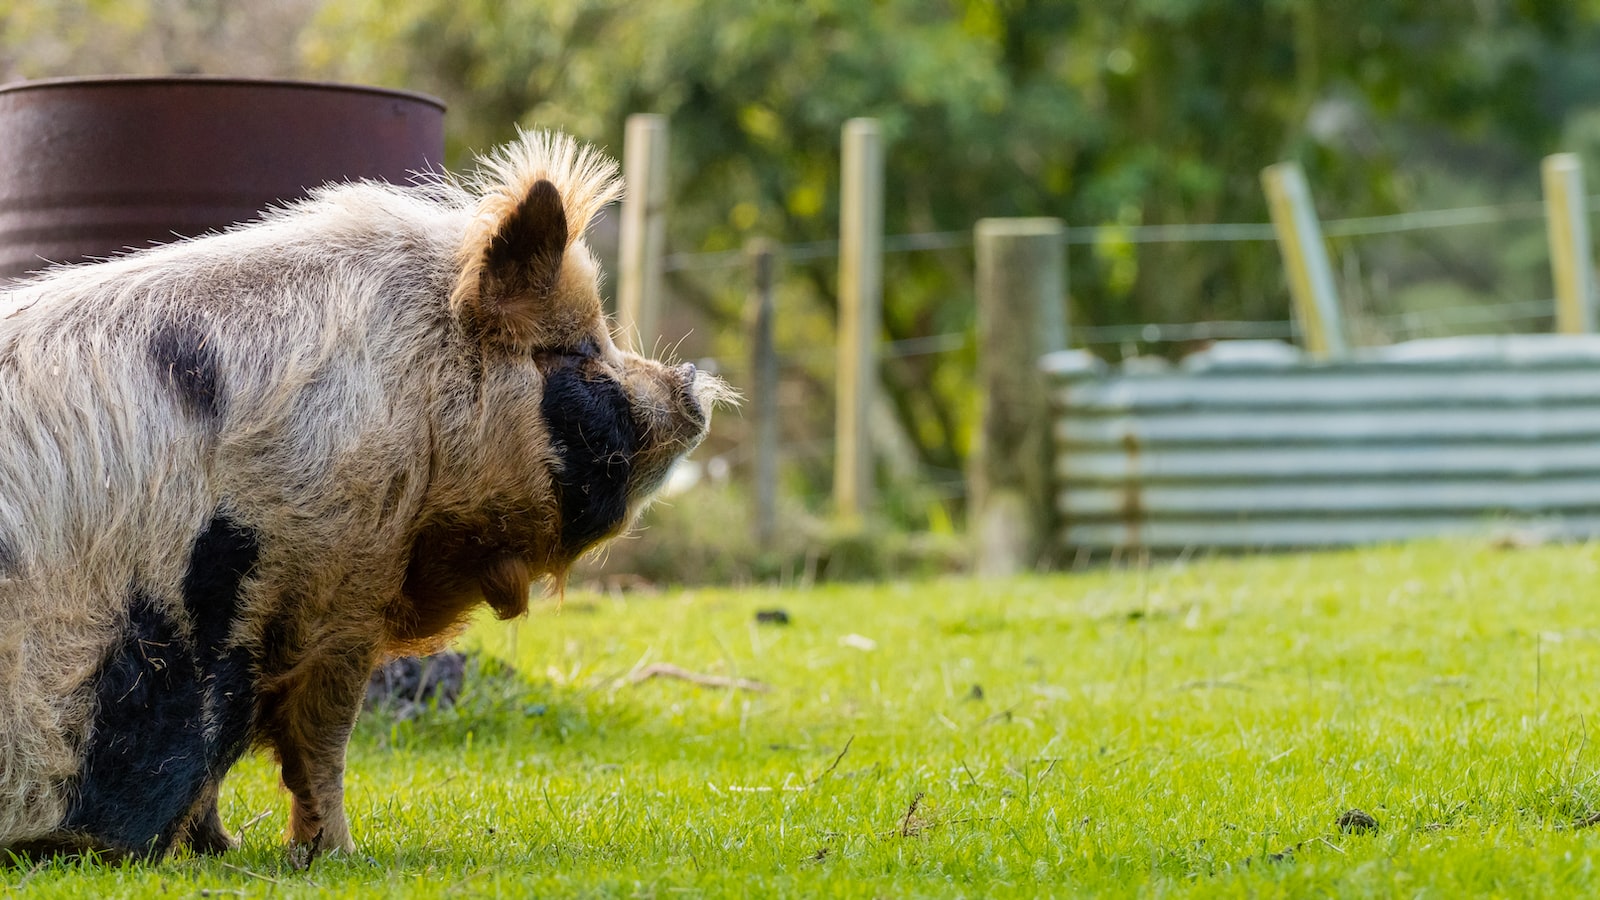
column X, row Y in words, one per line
column 500, row 705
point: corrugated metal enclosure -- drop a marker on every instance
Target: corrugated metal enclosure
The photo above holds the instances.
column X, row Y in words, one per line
column 1252, row 445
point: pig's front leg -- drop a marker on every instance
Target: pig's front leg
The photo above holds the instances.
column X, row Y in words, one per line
column 308, row 721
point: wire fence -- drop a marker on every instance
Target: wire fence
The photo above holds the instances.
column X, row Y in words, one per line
column 1401, row 324
column 1216, row 232
column 806, row 361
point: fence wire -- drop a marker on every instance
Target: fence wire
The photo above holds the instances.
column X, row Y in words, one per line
column 806, row 356
column 1215, row 232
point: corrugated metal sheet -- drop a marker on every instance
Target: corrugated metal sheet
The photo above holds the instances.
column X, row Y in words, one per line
column 1251, row 445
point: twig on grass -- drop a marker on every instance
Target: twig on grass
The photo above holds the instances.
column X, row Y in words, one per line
column 254, row 820
column 668, row 670
column 828, row 771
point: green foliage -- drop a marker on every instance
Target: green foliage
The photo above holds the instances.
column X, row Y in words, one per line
column 48, row 38
column 1158, row 111
column 1194, row 730
column 1142, row 113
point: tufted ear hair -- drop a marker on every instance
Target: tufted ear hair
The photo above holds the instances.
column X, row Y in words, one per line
column 518, row 267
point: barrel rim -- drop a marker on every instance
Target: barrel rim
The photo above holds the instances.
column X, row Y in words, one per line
column 112, row 81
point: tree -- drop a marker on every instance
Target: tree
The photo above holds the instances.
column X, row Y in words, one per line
column 1137, row 113
column 48, row 38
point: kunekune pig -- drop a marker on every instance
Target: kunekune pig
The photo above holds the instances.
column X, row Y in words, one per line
column 238, row 471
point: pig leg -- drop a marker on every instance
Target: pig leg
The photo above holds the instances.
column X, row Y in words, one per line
column 204, row 832
column 309, row 724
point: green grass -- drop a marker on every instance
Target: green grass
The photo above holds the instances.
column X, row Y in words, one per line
column 1193, row 729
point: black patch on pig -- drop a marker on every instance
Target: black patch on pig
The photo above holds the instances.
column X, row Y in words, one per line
column 223, row 556
column 187, row 364
column 592, row 428
column 146, row 758
column 170, row 714
column 10, row 560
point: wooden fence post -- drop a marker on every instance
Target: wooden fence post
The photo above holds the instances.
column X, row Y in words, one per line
column 860, row 316
column 1566, row 216
column 763, row 403
column 1305, row 256
column 1021, row 293
column 642, row 237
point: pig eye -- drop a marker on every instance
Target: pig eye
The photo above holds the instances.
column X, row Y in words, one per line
column 562, row 357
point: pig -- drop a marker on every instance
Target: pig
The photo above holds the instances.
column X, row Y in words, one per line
column 239, row 471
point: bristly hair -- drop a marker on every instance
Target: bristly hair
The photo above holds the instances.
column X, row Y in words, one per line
column 586, row 179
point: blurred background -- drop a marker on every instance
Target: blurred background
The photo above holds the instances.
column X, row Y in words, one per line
column 1143, row 124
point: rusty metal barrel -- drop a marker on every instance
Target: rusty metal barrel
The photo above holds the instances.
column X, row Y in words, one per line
column 90, row 167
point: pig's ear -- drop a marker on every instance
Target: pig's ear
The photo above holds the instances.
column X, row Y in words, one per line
column 508, row 281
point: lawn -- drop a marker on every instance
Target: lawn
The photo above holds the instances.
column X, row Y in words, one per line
column 1190, row 729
